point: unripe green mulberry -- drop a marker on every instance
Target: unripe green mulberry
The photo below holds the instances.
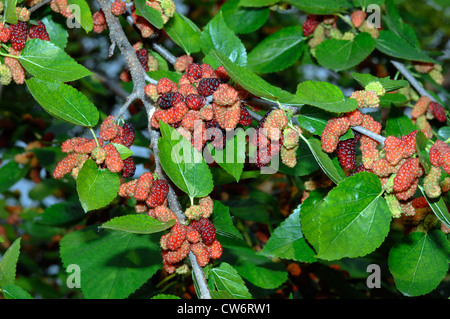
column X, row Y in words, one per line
column 394, row 205
column 431, row 182
column 377, row 87
column 194, row 212
column 5, row 75
column 289, row 156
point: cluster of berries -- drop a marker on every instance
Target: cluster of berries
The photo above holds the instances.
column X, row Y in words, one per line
column 425, row 110
column 197, row 235
column 62, row 7
column 432, row 69
column 397, row 165
column 202, row 106
column 370, row 96
column 322, row 27
column 17, row 35
column 146, row 60
column 106, row 155
column 148, row 191
column 274, row 135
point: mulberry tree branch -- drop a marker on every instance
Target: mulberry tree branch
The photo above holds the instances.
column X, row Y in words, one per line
column 139, row 78
column 412, row 80
column 138, row 74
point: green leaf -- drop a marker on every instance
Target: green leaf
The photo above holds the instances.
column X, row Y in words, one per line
column 396, row 24
column 64, row 102
column 183, row 34
column 138, row 224
column 61, row 214
column 365, row 3
column 10, row 11
column 57, row 33
column 124, row 151
column 253, row 267
column 151, row 15
column 324, row 161
column 10, row 174
column 340, row 55
column 232, row 157
column 287, row 241
column 226, row 278
column 218, row 36
column 321, row 7
column 399, row 124
column 309, row 217
column 183, row 164
column 393, row 99
column 325, row 96
column 277, row 51
column 388, row 84
column 8, row 264
column 257, row 3
column 419, row 262
column 15, row 292
column 45, row 60
column 354, row 218
column 85, row 16
column 112, row 264
column 243, row 20
column 165, row 296
column 421, row 146
column 253, row 83
column 222, row 221
column 96, row 187
column 439, row 207
column 391, row 44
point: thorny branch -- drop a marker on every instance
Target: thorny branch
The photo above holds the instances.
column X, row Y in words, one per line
column 139, row 78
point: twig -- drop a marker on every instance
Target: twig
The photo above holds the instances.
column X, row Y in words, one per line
column 164, row 53
column 370, row 134
column 412, row 80
column 37, row 6
column 200, row 275
column 138, row 76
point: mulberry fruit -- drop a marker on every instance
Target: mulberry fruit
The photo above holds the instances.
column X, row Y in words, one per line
column 176, row 237
column 206, row 229
column 19, row 33
column 182, row 63
column 194, row 72
column 406, row 175
column 366, row 98
column 225, row 95
column 143, row 186
column 358, row 17
column 158, row 193
column 310, row 24
column 113, row 160
column 118, row 7
column 346, row 153
column 420, row 107
column 169, row 99
column 245, row 118
column 207, row 86
column 129, row 167
column 438, row 112
column 195, row 101
column 431, row 184
column 333, row 130
column 227, row 117
column 201, row 252
column 38, row 32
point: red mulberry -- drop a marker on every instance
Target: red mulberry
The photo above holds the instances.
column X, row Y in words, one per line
column 333, row 130
column 158, row 193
